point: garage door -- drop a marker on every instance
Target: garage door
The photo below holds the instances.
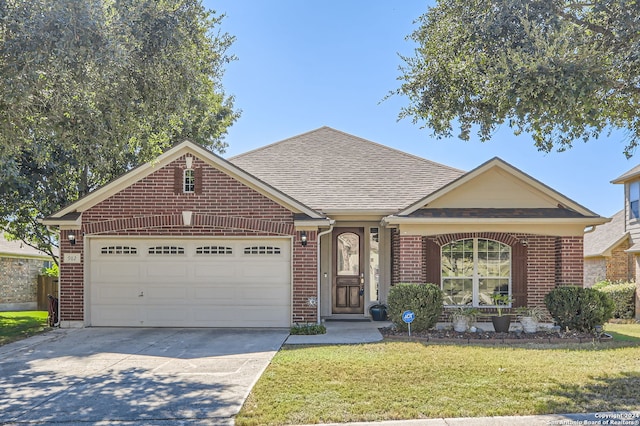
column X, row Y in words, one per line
column 190, row 283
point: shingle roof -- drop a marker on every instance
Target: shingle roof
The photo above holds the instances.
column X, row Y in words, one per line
column 330, row 170
column 18, row 249
column 605, row 237
column 501, row 213
column 627, row 175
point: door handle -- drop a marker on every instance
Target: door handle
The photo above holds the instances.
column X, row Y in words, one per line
column 141, row 294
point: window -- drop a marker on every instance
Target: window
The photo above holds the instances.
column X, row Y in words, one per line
column 118, row 250
column 262, row 250
column 214, row 250
column 189, row 181
column 166, row 250
column 475, row 269
column 634, row 200
column 374, row 263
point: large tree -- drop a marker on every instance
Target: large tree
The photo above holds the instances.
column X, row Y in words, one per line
column 91, row 88
column 560, row 70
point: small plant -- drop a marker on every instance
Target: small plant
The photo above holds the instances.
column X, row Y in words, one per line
column 534, row 312
column 425, row 300
column 578, row 308
column 463, row 312
column 53, row 271
column 501, row 300
column 308, row 329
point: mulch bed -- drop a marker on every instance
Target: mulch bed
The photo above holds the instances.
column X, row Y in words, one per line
column 480, row 336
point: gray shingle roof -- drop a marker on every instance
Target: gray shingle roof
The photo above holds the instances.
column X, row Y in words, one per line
column 606, row 236
column 330, row 170
column 18, row 249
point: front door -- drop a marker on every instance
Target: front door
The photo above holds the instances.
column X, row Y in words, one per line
column 348, row 271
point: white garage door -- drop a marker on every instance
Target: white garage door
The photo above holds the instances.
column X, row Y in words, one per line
column 190, row 283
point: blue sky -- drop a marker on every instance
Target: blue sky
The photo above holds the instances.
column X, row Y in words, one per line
column 306, row 64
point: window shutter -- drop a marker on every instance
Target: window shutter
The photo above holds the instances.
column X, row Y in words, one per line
column 519, row 274
column 198, row 178
column 178, row 183
column 432, row 262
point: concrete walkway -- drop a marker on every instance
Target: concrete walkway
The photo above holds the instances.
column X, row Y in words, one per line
column 343, row 333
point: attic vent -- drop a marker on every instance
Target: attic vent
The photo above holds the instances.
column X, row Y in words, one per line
column 166, row 250
column 262, row 250
column 119, row 250
column 214, row 250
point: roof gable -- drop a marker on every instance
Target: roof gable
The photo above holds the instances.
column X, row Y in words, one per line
column 333, row 171
column 606, row 237
column 496, row 185
column 627, row 176
column 186, row 147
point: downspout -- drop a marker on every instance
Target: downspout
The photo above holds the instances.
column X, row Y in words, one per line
column 320, row 234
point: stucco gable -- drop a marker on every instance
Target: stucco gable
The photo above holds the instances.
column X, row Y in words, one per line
column 497, row 185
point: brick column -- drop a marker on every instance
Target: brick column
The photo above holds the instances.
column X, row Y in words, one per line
column 71, row 281
column 410, row 259
column 569, row 261
column 305, row 278
column 636, row 262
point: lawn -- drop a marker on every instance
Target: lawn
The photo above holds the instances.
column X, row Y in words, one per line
column 411, row 380
column 18, row 325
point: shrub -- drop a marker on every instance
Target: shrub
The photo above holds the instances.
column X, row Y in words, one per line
column 425, row 300
column 308, row 329
column 602, row 284
column 578, row 308
column 623, row 296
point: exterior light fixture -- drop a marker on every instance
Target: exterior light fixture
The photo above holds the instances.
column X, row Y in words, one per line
column 303, row 238
column 72, row 238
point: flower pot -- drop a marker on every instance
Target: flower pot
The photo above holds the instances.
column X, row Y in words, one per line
column 529, row 325
column 501, row 324
column 460, row 324
column 378, row 312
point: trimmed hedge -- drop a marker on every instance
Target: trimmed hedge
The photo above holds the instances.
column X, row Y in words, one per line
column 425, row 300
column 578, row 308
column 624, row 299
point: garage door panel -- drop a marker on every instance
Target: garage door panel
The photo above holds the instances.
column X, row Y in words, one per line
column 215, row 270
column 207, row 283
column 115, row 271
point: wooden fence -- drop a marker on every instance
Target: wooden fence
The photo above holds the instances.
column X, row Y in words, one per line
column 46, row 286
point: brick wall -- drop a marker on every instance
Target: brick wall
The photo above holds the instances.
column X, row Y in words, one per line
column 19, row 282
column 595, row 270
column 224, row 208
column 410, row 259
column 305, row 279
column 569, row 260
column 619, row 266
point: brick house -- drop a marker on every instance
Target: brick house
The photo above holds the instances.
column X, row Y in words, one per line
column 20, row 266
column 605, row 252
column 320, row 225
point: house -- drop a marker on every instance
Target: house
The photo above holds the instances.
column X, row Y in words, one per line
column 316, row 226
column 20, row 266
column 605, row 252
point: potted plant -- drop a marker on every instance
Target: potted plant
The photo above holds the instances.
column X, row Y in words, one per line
column 378, row 312
column 462, row 317
column 530, row 317
column 501, row 322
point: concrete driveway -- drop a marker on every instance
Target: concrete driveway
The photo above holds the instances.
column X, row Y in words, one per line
column 133, row 375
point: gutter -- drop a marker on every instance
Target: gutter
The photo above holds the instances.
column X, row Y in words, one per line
column 320, row 234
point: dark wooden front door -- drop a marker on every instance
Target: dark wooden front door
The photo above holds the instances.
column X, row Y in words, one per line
column 348, row 271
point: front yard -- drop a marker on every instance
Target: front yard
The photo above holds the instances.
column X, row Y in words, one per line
column 411, row 380
column 18, row 325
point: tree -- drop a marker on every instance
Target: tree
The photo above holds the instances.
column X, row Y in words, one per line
column 561, row 70
column 92, row 88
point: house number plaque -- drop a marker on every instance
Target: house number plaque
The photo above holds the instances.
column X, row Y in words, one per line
column 72, row 258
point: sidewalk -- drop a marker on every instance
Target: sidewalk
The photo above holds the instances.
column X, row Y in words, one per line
column 342, row 333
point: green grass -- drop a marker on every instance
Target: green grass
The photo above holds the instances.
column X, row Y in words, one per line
column 411, row 380
column 19, row 325
column 623, row 332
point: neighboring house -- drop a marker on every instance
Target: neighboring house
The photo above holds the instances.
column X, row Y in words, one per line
column 20, row 266
column 316, row 226
column 605, row 252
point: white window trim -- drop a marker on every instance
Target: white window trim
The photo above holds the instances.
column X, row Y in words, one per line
column 186, row 184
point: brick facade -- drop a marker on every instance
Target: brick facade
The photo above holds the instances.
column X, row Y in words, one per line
column 550, row 260
column 224, row 207
column 19, row 283
column 619, row 266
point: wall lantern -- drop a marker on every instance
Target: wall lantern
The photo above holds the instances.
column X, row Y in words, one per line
column 303, row 238
column 72, row 238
